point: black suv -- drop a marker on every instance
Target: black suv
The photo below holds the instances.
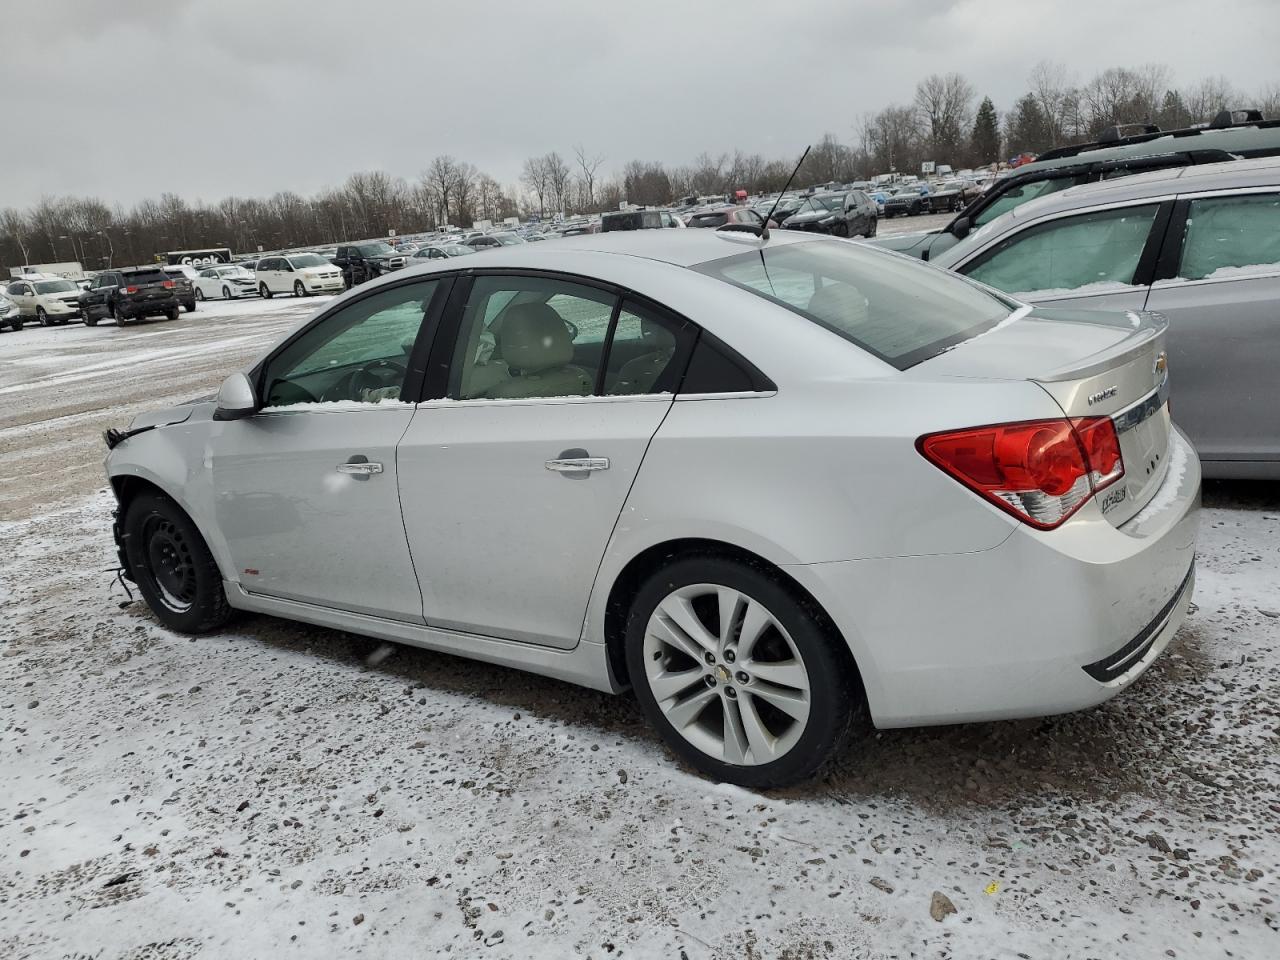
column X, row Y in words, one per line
column 364, row 261
column 1118, row 151
column 132, row 294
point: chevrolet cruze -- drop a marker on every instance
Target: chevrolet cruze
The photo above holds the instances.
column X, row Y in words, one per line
column 771, row 484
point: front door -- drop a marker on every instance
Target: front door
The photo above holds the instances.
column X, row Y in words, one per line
column 511, row 486
column 306, row 488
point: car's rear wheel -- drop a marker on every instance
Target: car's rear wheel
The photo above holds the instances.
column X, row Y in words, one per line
column 298, row 289
column 172, row 313
column 741, row 676
column 199, row 294
column 90, row 321
column 172, row 565
column 264, row 291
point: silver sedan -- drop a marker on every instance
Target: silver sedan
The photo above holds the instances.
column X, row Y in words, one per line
column 777, row 486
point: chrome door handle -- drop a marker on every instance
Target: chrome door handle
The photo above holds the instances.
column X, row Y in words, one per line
column 578, row 464
column 360, row 469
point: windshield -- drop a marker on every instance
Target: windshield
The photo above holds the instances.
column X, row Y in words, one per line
column 507, row 239
column 56, row 286
column 457, row 250
column 899, row 310
column 375, row 249
column 308, row 260
column 233, row 272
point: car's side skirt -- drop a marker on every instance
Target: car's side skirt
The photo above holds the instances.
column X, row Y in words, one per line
column 587, row 664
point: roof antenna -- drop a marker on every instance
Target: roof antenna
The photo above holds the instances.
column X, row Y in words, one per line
column 763, row 231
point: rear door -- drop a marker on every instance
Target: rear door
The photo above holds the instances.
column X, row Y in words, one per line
column 1218, row 282
column 512, row 483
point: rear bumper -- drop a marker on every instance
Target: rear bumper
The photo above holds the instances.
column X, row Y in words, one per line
column 147, row 308
column 1047, row 622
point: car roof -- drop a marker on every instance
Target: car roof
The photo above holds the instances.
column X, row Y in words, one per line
column 1229, row 140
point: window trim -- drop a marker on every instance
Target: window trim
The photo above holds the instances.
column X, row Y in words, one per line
column 1145, row 266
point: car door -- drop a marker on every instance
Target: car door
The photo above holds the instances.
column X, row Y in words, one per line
column 1100, row 258
column 513, row 480
column 306, row 488
column 1219, row 284
column 23, row 294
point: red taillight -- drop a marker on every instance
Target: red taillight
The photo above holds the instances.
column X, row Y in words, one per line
column 130, row 289
column 167, row 284
column 1041, row 471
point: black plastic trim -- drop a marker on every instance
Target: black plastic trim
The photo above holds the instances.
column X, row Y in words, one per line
column 1143, row 273
column 1115, row 665
column 1170, row 257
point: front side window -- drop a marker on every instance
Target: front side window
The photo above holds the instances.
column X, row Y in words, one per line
column 1085, row 253
column 360, row 353
column 528, row 337
column 1231, row 237
column 899, row 310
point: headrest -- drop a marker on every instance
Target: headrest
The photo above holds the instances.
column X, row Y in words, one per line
column 533, row 338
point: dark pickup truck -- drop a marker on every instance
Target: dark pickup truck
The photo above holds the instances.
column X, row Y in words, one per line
column 364, row 261
column 124, row 295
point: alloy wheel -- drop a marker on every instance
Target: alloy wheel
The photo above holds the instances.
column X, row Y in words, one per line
column 726, row 674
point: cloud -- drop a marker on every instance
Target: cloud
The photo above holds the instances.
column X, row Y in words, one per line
column 209, row 99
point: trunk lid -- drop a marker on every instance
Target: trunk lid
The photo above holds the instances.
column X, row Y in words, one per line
column 1093, row 363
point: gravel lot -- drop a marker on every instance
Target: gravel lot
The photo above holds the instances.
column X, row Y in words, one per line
column 281, row 790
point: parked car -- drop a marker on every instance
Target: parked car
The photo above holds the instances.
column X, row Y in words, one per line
column 719, row 216
column 898, row 443
column 302, row 274
column 490, row 241
column 364, row 261
column 229, row 281
column 439, row 251
column 1242, row 134
column 10, row 314
column 850, row 214
column 132, row 294
column 46, row 299
column 184, row 283
column 1200, row 245
column 953, row 196
column 637, row 220
column 909, row 200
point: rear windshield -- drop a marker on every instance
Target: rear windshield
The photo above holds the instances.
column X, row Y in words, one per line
column 897, row 309
column 144, row 276
column 717, row 219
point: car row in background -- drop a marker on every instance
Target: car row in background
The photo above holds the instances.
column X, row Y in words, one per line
column 229, row 281
column 302, row 274
column 132, row 294
column 47, row 300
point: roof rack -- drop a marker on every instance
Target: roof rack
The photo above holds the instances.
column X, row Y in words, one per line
column 1125, row 134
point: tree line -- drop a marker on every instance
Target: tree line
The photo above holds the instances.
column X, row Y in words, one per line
column 944, row 121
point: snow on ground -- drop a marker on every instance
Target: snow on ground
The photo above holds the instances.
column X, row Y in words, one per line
column 282, row 790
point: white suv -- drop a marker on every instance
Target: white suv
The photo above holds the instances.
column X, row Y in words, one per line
column 45, row 298
column 301, row 274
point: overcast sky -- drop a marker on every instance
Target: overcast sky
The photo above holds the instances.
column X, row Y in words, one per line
column 265, row 95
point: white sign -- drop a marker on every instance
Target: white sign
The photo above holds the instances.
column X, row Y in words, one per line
column 391, row 233
column 927, row 167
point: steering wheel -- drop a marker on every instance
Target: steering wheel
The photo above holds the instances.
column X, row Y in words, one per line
column 375, row 375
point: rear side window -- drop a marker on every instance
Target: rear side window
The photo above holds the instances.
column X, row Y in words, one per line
column 899, row 310
column 1071, row 253
column 1231, row 237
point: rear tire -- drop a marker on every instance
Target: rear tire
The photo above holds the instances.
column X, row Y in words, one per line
column 172, row 566
column 190, row 307
column 718, row 711
column 172, row 313
column 90, row 321
column 199, row 295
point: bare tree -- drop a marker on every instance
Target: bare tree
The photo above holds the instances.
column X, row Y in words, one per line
column 558, row 175
column 588, row 165
column 1212, row 94
column 1052, row 87
column 443, row 177
column 943, row 103
column 535, row 178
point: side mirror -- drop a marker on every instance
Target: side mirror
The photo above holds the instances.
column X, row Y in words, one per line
column 961, row 228
column 236, row 399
